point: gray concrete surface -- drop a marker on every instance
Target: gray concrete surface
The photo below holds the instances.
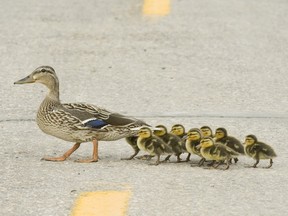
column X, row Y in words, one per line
column 216, row 63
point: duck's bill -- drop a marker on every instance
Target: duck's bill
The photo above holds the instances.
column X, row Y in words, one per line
column 28, row 79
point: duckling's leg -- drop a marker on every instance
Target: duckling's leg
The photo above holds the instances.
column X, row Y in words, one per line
column 255, row 165
column 270, row 165
column 211, row 163
column 201, row 162
column 216, row 164
column 178, row 158
column 65, row 155
column 94, row 155
column 132, row 156
column 167, row 158
column 227, row 164
column 157, row 161
column 188, row 157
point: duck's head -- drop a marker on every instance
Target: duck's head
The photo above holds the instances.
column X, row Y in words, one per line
column 194, row 134
column 161, row 130
column 206, row 142
column 250, row 139
column 43, row 74
column 220, row 133
column 145, row 132
column 206, row 131
column 178, row 130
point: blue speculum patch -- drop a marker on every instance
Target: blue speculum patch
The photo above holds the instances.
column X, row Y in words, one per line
column 96, row 123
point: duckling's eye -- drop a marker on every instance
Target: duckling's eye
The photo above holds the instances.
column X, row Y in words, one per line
column 43, row 70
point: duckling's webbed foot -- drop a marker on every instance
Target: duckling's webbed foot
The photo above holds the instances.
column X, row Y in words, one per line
column 64, row 156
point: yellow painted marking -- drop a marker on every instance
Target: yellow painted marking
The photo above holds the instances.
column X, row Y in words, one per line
column 156, row 7
column 102, row 203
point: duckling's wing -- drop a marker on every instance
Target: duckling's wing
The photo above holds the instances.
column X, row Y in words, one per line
column 97, row 117
column 266, row 149
column 175, row 143
column 235, row 144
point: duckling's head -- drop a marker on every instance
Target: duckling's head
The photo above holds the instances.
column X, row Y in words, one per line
column 250, row 139
column 145, row 132
column 206, row 131
column 206, row 142
column 220, row 133
column 194, row 134
column 178, row 130
column 161, row 130
column 43, row 74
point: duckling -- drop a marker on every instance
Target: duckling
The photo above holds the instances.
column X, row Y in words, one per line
column 77, row 122
column 152, row 144
column 132, row 141
column 216, row 151
column 221, row 136
column 258, row 150
column 193, row 139
column 179, row 130
column 206, row 131
column 173, row 141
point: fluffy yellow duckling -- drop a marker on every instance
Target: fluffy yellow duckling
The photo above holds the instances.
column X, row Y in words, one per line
column 216, row 151
column 192, row 143
column 152, row 144
column 206, row 131
column 173, row 141
column 221, row 136
column 258, row 150
column 179, row 130
column 132, row 141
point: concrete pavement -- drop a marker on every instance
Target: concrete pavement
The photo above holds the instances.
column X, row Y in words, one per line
column 220, row 63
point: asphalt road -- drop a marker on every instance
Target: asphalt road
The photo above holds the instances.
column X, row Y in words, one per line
column 217, row 63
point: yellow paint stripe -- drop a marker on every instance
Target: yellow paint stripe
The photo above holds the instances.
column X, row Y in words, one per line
column 156, row 7
column 102, row 203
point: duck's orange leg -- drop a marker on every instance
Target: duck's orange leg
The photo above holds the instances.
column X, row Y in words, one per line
column 65, row 155
column 94, row 155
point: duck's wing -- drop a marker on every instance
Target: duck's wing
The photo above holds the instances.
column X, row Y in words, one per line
column 97, row 117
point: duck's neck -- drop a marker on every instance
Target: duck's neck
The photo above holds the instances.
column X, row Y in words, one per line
column 53, row 94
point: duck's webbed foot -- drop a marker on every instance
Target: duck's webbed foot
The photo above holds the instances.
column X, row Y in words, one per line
column 55, row 159
column 64, row 156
